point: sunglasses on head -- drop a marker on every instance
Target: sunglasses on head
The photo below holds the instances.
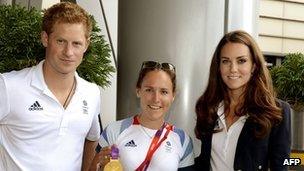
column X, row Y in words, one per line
column 163, row 66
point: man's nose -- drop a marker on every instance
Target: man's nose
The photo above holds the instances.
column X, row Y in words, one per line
column 68, row 49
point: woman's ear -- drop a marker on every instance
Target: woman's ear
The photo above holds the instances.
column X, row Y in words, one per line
column 253, row 68
column 174, row 94
column 137, row 92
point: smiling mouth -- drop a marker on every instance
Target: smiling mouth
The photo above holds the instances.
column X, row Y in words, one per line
column 154, row 107
column 233, row 77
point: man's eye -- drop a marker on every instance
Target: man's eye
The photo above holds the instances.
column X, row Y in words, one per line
column 77, row 44
column 60, row 41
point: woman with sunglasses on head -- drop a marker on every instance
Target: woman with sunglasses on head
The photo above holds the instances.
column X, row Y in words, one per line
column 241, row 125
column 145, row 141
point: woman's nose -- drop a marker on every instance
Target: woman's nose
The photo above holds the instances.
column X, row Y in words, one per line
column 233, row 67
column 156, row 96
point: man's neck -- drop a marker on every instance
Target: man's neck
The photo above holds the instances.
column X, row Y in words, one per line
column 57, row 82
column 61, row 85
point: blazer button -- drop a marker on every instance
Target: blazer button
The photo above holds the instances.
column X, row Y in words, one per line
column 260, row 167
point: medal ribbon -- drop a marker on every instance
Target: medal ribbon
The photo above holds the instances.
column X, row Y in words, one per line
column 156, row 142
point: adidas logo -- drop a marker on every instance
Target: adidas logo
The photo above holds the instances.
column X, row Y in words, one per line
column 131, row 144
column 35, row 106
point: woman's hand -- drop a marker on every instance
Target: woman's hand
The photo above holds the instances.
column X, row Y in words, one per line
column 101, row 159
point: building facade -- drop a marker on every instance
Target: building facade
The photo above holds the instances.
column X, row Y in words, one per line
column 281, row 25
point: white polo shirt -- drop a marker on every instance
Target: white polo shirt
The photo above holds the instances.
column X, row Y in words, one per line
column 224, row 142
column 36, row 132
column 133, row 142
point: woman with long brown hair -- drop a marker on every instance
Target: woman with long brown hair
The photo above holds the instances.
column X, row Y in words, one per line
column 241, row 125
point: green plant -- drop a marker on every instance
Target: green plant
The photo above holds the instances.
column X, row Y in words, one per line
column 20, row 45
column 19, row 38
column 288, row 80
column 96, row 66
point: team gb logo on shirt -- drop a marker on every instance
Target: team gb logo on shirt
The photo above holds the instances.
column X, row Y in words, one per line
column 168, row 147
column 85, row 107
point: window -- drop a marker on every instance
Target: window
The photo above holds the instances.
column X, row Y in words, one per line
column 273, row 59
column 73, row 1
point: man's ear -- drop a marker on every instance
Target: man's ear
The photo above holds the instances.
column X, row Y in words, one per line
column 44, row 38
column 87, row 44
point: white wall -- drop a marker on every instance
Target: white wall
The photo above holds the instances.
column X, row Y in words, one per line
column 48, row 3
column 109, row 95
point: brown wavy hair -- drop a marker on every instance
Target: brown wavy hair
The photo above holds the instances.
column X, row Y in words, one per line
column 66, row 12
column 258, row 98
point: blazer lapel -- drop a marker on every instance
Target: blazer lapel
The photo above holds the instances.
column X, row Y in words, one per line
column 244, row 140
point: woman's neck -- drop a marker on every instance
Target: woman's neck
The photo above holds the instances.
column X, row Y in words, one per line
column 235, row 97
column 148, row 123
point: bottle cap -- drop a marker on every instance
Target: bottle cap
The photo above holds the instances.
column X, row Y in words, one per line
column 114, row 152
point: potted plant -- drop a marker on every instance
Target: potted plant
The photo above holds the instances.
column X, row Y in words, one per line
column 20, row 45
column 288, row 80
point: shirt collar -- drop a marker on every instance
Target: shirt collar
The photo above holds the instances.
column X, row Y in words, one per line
column 221, row 117
column 37, row 77
column 220, row 111
column 39, row 82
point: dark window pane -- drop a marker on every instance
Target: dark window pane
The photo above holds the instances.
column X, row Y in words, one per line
column 73, row 1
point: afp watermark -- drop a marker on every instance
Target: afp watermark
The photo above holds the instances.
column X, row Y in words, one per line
column 292, row 162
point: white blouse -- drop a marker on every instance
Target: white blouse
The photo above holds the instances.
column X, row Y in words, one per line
column 224, row 142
